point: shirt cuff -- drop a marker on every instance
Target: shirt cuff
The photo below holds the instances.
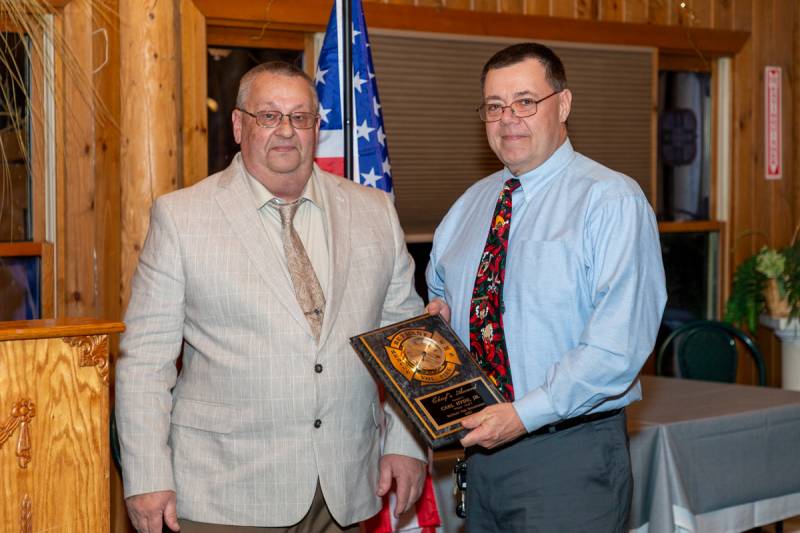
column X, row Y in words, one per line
column 535, row 411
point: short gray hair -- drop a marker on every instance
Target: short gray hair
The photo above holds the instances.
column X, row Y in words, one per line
column 273, row 67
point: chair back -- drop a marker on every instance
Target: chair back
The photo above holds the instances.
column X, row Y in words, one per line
column 706, row 350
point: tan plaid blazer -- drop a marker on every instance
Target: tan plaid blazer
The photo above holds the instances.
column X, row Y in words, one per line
column 235, row 434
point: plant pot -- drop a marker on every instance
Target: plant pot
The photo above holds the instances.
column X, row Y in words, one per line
column 777, row 305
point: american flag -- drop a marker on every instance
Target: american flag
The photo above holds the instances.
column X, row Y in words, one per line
column 371, row 162
column 371, row 168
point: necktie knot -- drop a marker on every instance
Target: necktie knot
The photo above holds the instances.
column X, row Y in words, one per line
column 511, row 185
column 286, row 211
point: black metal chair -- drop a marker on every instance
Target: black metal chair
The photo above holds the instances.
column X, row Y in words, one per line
column 706, row 350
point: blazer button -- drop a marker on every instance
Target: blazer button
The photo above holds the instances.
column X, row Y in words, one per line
column 317, row 423
column 318, row 368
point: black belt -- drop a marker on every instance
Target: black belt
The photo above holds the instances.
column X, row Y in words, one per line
column 572, row 422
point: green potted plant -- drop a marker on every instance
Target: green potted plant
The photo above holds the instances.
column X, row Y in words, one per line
column 768, row 281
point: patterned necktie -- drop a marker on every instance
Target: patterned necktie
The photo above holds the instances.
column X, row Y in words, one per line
column 307, row 289
column 486, row 338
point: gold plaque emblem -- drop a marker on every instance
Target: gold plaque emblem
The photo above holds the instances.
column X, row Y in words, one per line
column 422, row 355
column 430, row 374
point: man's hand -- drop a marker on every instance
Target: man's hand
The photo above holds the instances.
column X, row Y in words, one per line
column 409, row 476
column 150, row 511
column 493, row 426
column 438, row 306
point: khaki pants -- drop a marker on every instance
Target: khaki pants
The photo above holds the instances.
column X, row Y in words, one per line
column 317, row 520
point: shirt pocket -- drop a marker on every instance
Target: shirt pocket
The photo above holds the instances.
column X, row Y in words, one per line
column 543, row 272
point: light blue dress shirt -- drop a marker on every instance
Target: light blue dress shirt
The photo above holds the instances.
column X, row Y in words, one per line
column 584, row 287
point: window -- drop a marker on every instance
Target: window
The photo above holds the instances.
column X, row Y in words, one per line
column 15, row 179
column 20, row 259
column 690, row 235
column 684, row 145
column 27, row 212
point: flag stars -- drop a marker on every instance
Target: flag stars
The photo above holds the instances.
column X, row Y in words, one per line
column 323, row 113
column 358, row 82
column 376, row 107
column 387, row 168
column 355, row 32
column 381, row 136
column 319, row 77
column 371, row 179
column 363, row 131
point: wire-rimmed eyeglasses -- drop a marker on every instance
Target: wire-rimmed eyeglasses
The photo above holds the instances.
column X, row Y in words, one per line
column 272, row 119
column 524, row 107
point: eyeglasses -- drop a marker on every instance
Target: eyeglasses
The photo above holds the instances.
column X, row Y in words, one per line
column 273, row 119
column 524, row 107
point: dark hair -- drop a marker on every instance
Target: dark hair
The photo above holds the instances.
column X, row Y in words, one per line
column 273, row 67
column 554, row 71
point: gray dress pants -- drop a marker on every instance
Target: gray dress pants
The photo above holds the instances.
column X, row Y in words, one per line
column 574, row 480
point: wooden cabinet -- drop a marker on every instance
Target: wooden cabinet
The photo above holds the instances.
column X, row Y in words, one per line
column 54, row 452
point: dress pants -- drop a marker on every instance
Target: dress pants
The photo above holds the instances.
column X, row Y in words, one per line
column 317, row 520
column 574, row 480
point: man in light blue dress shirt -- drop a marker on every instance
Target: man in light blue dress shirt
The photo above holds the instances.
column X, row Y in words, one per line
column 583, row 296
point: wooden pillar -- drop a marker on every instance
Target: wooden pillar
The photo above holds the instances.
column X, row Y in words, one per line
column 105, row 31
column 150, row 162
column 75, row 189
column 194, row 93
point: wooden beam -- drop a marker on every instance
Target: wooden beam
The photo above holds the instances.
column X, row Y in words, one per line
column 194, row 91
column 46, row 273
column 695, row 226
column 21, row 249
column 49, row 6
column 312, row 15
column 150, row 162
column 685, row 62
column 106, row 69
column 63, row 327
column 254, row 37
column 77, row 288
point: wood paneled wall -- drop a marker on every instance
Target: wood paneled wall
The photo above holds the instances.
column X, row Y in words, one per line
column 128, row 141
column 717, row 14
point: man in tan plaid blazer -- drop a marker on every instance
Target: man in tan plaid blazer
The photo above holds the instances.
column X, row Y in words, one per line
column 265, row 426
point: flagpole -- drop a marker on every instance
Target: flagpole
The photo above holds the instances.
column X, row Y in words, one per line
column 347, row 79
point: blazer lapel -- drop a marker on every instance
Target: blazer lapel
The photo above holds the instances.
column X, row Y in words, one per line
column 236, row 202
column 337, row 215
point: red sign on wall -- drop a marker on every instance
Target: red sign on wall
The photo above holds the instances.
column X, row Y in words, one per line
column 773, row 150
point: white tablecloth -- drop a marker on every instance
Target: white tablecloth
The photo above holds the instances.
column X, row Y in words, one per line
column 706, row 457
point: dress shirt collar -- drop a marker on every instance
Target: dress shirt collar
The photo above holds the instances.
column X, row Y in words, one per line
column 263, row 196
column 533, row 179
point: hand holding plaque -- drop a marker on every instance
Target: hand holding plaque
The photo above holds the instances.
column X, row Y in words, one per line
column 430, row 373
